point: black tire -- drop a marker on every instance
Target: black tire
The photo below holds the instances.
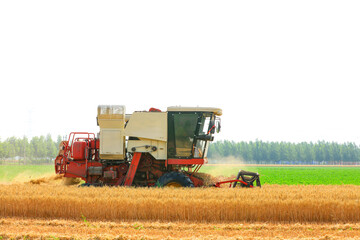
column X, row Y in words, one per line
column 176, row 178
column 85, row 185
column 91, row 185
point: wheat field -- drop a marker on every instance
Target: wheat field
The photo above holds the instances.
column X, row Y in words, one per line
column 272, row 203
column 56, row 229
column 48, row 209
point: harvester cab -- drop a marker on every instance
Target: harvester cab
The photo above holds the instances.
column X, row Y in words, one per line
column 145, row 148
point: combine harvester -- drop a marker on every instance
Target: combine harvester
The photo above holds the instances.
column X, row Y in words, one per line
column 146, row 148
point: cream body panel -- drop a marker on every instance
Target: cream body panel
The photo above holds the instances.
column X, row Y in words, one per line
column 111, row 144
column 111, row 119
column 150, row 125
column 111, row 123
column 145, row 145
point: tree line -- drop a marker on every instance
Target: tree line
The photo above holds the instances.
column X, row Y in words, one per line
column 38, row 150
column 260, row 152
column 43, row 149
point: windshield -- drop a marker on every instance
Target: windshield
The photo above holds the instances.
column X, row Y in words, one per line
column 204, row 125
column 200, row 145
column 184, row 129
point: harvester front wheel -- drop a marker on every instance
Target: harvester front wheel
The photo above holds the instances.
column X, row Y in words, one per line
column 174, row 179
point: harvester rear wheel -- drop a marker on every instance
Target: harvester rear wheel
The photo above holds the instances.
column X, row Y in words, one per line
column 174, row 179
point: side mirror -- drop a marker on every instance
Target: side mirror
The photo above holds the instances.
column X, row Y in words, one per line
column 218, row 125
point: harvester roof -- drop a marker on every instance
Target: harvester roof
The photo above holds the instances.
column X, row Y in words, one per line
column 216, row 111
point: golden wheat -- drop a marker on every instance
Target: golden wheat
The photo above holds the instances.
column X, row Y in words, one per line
column 269, row 204
column 19, row 228
column 55, row 180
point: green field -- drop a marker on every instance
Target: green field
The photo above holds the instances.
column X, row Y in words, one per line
column 23, row 173
column 268, row 175
column 293, row 175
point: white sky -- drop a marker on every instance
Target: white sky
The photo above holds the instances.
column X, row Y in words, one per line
column 280, row 70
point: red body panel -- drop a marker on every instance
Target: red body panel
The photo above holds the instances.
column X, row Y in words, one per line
column 76, row 169
column 132, row 170
column 185, row 161
column 197, row 181
column 78, row 150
